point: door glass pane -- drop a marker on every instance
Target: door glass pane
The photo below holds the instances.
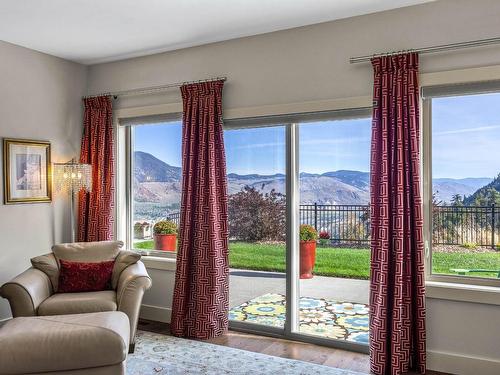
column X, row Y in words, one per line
column 257, row 225
column 334, row 163
column 466, row 186
column 156, row 185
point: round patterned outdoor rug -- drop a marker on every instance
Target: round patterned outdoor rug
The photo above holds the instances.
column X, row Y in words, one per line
column 332, row 319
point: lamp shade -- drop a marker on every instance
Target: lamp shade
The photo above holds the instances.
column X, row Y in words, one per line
column 72, row 176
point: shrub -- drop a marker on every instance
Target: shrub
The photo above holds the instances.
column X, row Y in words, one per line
column 468, row 245
column 165, row 227
column 255, row 216
column 308, row 233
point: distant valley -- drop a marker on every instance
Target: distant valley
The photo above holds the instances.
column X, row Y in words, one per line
column 158, row 182
column 446, row 188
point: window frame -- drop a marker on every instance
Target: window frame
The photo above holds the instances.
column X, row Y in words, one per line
column 442, row 288
column 428, row 93
column 125, row 206
column 476, row 76
column 292, row 123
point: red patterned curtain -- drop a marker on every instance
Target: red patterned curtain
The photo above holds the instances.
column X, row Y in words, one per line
column 200, row 306
column 397, row 295
column 95, row 209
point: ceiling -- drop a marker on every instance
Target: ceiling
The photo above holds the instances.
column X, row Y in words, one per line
column 93, row 31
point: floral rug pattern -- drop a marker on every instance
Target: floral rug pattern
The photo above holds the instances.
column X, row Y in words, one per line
column 161, row 354
column 333, row 319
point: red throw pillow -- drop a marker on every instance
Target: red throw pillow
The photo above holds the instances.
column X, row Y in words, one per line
column 84, row 277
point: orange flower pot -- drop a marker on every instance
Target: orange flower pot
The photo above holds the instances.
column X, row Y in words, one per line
column 307, row 259
column 165, row 242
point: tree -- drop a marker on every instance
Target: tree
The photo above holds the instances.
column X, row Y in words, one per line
column 255, row 216
column 457, row 200
column 435, row 200
column 485, row 196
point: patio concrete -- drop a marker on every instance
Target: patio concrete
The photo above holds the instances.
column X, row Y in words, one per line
column 245, row 285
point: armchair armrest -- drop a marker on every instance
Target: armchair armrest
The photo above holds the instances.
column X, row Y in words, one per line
column 26, row 292
column 133, row 282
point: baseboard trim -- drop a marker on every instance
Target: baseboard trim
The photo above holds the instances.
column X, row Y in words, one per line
column 156, row 313
column 461, row 364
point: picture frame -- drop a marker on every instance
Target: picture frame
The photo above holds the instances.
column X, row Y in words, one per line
column 26, row 171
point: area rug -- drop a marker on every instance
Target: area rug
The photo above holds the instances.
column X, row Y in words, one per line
column 161, row 354
column 326, row 318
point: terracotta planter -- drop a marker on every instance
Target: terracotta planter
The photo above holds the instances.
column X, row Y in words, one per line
column 165, row 242
column 307, row 259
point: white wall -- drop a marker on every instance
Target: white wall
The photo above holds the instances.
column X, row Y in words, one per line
column 40, row 98
column 463, row 337
column 157, row 302
column 311, row 63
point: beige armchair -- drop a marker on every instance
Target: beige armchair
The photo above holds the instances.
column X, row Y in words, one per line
column 34, row 292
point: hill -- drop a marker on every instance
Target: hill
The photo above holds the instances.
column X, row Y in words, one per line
column 446, row 188
column 148, row 168
column 158, row 182
column 340, row 187
column 485, row 195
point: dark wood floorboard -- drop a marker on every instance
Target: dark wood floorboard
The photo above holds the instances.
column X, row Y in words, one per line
column 282, row 348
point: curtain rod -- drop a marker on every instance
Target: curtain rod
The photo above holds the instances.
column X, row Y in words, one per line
column 153, row 89
column 432, row 49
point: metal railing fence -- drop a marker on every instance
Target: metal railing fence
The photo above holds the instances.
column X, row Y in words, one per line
column 452, row 225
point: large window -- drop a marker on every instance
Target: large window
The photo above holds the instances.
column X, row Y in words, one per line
column 282, row 173
column 257, row 224
column 334, row 186
column 313, row 169
column 309, row 170
column 155, row 186
column 463, row 173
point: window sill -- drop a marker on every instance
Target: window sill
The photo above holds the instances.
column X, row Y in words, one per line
column 463, row 292
column 159, row 263
column 434, row 289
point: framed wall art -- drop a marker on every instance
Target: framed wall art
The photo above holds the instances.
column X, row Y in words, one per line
column 26, row 171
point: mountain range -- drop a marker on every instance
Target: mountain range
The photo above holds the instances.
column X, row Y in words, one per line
column 486, row 195
column 158, row 182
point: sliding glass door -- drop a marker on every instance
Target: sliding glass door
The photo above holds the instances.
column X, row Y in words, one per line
column 334, row 188
column 257, row 225
column 312, row 171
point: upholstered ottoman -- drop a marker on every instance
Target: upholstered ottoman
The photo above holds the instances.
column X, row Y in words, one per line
column 94, row 344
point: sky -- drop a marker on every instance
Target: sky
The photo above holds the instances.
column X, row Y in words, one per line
column 160, row 140
column 465, row 142
column 323, row 146
column 466, row 136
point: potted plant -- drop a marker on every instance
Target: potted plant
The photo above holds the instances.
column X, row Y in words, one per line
column 308, row 237
column 324, row 238
column 165, row 235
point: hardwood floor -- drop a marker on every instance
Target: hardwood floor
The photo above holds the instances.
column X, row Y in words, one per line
column 283, row 348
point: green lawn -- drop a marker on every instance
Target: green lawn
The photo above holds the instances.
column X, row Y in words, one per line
column 343, row 262
column 443, row 262
column 349, row 263
column 144, row 245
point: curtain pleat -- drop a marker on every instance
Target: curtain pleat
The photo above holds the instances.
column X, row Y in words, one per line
column 201, row 292
column 397, row 291
column 95, row 209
